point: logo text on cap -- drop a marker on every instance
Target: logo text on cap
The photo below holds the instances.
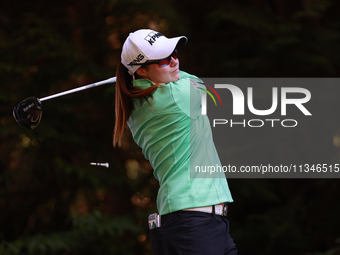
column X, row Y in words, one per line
column 152, row 37
column 138, row 59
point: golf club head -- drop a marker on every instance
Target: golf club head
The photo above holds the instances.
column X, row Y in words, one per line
column 28, row 113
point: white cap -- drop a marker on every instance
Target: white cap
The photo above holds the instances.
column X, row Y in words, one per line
column 146, row 44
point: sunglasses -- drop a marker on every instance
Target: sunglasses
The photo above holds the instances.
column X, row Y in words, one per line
column 161, row 62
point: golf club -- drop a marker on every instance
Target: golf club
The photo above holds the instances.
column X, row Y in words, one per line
column 28, row 112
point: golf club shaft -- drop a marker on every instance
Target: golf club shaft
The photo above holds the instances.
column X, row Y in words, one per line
column 110, row 80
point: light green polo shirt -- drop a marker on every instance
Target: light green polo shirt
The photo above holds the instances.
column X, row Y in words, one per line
column 176, row 138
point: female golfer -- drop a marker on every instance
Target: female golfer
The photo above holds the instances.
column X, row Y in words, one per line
column 161, row 105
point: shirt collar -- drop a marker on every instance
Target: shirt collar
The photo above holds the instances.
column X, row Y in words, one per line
column 142, row 83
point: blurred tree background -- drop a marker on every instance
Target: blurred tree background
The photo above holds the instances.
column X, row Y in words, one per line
column 53, row 202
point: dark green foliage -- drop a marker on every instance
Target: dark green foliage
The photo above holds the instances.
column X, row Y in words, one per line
column 91, row 234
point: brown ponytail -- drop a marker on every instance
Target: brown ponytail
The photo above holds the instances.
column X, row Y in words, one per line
column 125, row 93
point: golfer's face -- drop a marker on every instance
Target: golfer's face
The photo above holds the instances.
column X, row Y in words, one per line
column 165, row 74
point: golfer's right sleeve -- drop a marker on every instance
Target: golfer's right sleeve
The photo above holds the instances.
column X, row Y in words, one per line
column 187, row 97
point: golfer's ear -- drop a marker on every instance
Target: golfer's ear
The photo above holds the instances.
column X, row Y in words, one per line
column 141, row 72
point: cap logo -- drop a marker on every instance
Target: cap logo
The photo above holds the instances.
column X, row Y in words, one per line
column 138, row 59
column 152, row 37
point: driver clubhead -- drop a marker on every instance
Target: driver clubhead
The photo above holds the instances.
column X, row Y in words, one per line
column 28, row 113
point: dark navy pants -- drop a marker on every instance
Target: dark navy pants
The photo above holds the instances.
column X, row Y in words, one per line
column 192, row 233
